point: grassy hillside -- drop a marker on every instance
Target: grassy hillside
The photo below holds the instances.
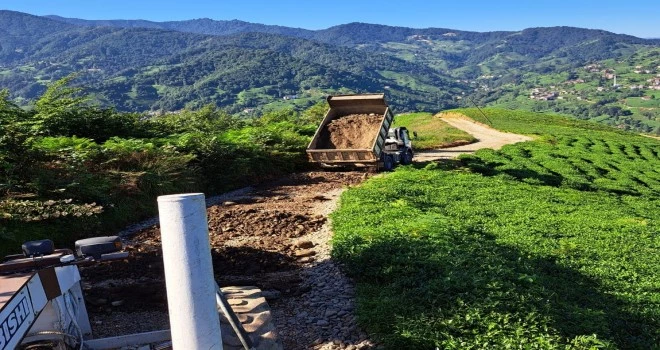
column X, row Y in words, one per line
column 551, row 243
column 588, row 91
column 432, row 133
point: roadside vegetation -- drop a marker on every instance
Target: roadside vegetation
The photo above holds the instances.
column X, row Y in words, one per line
column 551, row 243
column 432, row 132
column 69, row 168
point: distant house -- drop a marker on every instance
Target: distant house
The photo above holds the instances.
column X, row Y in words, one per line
column 592, row 68
column 290, row 97
column 542, row 94
column 548, row 97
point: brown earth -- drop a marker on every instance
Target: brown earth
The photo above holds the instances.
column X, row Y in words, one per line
column 353, row 131
column 274, row 236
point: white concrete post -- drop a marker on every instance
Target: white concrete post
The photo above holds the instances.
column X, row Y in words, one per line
column 194, row 318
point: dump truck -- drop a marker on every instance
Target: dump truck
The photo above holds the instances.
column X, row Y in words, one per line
column 355, row 132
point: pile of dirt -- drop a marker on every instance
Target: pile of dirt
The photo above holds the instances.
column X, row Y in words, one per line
column 353, row 131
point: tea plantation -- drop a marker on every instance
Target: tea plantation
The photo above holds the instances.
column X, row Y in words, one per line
column 552, row 243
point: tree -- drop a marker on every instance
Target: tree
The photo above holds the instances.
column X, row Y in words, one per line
column 14, row 148
column 59, row 107
column 314, row 114
column 64, row 110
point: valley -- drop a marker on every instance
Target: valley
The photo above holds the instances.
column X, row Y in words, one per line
column 249, row 68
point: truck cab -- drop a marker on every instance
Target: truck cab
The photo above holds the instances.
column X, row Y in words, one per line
column 398, row 148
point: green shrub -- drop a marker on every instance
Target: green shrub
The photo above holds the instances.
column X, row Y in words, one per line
column 208, row 119
column 112, row 166
column 545, row 244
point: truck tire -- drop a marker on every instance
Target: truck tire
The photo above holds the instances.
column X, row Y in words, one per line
column 407, row 157
column 388, row 162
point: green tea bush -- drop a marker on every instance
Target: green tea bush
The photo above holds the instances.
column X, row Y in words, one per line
column 551, row 243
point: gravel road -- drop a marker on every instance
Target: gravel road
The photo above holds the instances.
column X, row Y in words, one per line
column 487, row 138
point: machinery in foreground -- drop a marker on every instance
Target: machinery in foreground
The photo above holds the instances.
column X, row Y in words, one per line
column 42, row 303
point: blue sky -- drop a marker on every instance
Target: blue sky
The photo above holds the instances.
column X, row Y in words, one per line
column 640, row 18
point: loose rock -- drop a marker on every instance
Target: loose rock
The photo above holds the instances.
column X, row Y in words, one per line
column 304, row 253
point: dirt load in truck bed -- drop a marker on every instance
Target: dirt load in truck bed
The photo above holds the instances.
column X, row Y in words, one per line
column 354, row 131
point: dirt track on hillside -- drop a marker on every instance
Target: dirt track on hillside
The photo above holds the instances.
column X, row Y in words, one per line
column 487, row 138
column 274, row 236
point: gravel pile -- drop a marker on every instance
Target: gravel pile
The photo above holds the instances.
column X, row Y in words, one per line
column 323, row 317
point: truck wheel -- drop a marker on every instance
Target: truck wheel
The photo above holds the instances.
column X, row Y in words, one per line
column 388, row 163
column 407, row 158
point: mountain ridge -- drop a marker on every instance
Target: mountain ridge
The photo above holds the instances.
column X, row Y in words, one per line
column 225, row 27
column 140, row 65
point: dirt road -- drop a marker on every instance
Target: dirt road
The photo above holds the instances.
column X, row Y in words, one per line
column 487, row 138
column 274, row 236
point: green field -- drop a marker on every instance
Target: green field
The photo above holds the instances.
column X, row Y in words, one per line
column 552, row 243
column 432, row 132
column 638, row 102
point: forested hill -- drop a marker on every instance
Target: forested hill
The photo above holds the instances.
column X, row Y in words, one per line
column 365, row 33
column 143, row 68
column 143, row 65
column 545, row 39
column 197, row 26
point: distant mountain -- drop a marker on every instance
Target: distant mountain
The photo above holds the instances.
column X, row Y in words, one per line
column 447, row 47
column 364, row 33
column 145, row 68
column 140, row 65
column 197, row 26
